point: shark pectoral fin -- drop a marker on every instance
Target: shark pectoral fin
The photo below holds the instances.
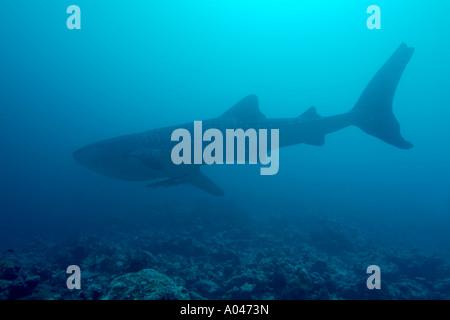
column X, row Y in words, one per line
column 195, row 178
column 165, row 183
column 199, row 180
column 150, row 158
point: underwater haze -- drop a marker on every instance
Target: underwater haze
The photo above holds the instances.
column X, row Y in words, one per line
column 308, row 232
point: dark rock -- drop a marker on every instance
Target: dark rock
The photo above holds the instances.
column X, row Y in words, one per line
column 18, row 290
column 298, row 288
column 207, row 288
column 349, row 292
column 4, row 289
column 320, row 266
column 9, row 270
column 278, row 281
column 146, row 284
column 32, row 282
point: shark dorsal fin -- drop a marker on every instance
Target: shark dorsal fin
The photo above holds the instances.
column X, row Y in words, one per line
column 246, row 109
column 311, row 113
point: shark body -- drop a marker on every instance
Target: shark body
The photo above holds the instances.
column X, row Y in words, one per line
column 146, row 156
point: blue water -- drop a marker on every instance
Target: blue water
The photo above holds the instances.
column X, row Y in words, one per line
column 137, row 65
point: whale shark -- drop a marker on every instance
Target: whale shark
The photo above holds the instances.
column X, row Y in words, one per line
column 146, row 156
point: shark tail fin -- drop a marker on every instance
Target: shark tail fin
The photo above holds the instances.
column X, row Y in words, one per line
column 373, row 111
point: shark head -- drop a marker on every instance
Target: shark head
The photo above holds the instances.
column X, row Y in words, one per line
column 96, row 157
column 117, row 158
